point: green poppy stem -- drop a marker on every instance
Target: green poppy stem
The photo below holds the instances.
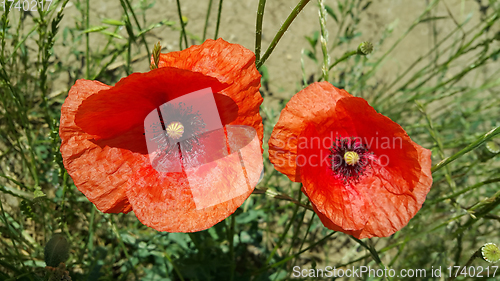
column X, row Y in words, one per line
column 183, row 34
column 280, row 196
column 258, row 29
column 219, row 12
column 282, row 31
column 482, row 139
column 206, row 20
column 87, row 41
column 343, row 58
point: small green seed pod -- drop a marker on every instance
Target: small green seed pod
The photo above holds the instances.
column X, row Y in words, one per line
column 490, row 253
column 56, row 250
column 365, row 48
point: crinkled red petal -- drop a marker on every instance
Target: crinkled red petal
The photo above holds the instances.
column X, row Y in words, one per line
column 101, row 173
column 112, row 113
column 229, row 63
column 102, row 129
column 388, row 212
column 344, row 205
column 399, row 167
column 201, row 196
column 311, row 105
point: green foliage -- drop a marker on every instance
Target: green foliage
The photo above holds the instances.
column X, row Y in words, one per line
column 447, row 99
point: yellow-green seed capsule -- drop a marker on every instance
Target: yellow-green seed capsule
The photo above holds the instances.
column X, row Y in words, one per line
column 365, row 48
column 175, row 130
column 351, row 158
column 490, row 252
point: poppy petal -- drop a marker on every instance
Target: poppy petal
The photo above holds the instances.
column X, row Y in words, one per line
column 201, row 196
column 120, row 109
column 399, row 165
column 307, row 106
column 231, row 64
column 403, row 207
column 96, row 171
column 389, row 213
column 343, row 205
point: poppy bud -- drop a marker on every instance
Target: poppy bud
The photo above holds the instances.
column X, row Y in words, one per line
column 488, row 151
column 365, row 48
column 56, row 250
column 493, row 147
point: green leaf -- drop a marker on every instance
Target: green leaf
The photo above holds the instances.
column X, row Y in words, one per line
column 113, row 22
column 341, row 7
column 265, row 74
column 111, row 34
column 311, row 55
column 366, row 6
column 433, row 18
column 128, row 239
column 180, row 239
column 38, row 193
column 167, row 23
column 94, row 29
column 313, row 41
column 330, row 11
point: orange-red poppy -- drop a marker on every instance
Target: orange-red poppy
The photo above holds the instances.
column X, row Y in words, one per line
column 105, row 149
column 362, row 173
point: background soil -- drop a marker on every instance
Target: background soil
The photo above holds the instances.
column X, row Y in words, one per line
column 284, row 65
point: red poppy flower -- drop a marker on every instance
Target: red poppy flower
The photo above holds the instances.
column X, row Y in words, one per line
column 105, row 137
column 362, row 173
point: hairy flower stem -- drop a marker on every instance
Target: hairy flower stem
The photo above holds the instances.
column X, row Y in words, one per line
column 219, row 12
column 206, row 20
column 484, row 138
column 282, row 31
column 87, row 41
column 343, row 58
column 230, row 238
column 143, row 38
column 183, row 33
column 258, row 29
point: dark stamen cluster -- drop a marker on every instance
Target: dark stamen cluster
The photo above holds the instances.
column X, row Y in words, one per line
column 191, row 121
column 345, row 172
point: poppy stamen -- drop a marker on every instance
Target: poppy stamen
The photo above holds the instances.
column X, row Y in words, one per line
column 175, row 130
column 351, row 158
